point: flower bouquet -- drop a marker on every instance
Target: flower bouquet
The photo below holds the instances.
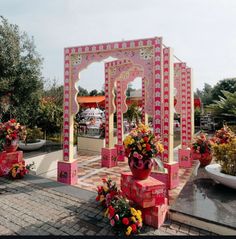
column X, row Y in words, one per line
column 142, row 148
column 10, row 133
column 224, row 149
column 106, row 192
column 18, row 170
column 202, row 146
column 124, row 219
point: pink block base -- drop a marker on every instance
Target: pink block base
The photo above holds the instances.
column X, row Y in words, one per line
column 109, row 157
column 173, row 172
column 67, row 172
column 120, row 152
column 185, row 160
column 164, row 178
column 155, row 216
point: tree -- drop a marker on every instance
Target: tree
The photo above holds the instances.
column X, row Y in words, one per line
column 225, row 106
column 20, row 73
column 223, row 85
column 129, row 89
column 93, row 92
column 133, row 113
column 205, row 95
column 82, row 91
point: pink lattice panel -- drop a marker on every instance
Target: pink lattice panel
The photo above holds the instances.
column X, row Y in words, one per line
column 189, row 105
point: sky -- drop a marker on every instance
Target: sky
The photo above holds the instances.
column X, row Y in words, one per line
column 201, row 32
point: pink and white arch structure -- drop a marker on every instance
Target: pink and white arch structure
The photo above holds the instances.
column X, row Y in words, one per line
column 145, row 53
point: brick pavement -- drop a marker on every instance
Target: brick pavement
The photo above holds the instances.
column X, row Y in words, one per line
column 45, row 207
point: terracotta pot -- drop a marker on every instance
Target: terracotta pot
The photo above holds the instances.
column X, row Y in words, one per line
column 140, row 169
column 205, row 159
column 11, row 147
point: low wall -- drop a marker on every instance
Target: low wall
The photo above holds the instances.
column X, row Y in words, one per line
column 91, row 144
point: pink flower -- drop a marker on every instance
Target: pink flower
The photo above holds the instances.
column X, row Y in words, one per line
column 112, row 222
column 117, row 217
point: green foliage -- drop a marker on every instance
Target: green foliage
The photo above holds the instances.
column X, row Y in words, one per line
column 33, row 135
column 20, row 73
column 205, row 95
column 223, row 85
column 82, row 91
column 133, row 113
column 225, row 106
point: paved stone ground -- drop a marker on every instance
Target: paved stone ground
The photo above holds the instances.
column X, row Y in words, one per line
column 38, row 206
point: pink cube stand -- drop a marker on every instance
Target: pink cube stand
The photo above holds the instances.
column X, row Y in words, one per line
column 185, row 160
column 120, row 152
column 173, row 172
column 109, row 157
column 67, row 172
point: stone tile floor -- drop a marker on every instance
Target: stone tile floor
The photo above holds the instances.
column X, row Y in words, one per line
column 28, row 207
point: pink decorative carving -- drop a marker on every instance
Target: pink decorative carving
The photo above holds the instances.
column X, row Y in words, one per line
column 189, row 111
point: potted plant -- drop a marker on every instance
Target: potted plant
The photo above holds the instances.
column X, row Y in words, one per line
column 224, row 148
column 202, row 148
column 142, row 148
column 10, row 134
column 33, row 140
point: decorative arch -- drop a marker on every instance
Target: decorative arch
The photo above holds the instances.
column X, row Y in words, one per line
column 145, row 52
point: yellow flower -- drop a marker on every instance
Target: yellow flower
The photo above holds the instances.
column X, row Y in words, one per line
column 133, row 219
column 105, row 189
column 129, row 230
column 133, row 211
column 139, row 212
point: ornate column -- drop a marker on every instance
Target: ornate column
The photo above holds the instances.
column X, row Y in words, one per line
column 67, row 169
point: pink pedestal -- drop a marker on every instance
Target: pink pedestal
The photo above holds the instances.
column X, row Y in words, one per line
column 11, row 158
column 173, row 172
column 164, row 178
column 120, row 152
column 109, row 157
column 67, row 172
column 185, row 160
column 155, row 216
column 145, row 193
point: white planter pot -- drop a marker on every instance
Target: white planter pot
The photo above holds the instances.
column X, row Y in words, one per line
column 32, row 146
column 214, row 172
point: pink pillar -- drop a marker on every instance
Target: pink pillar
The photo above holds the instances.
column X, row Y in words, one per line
column 144, row 116
column 184, row 152
column 67, row 169
column 157, row 86
column 106, row 106
column 189, row 107
column 168, row 105
column 119, row 101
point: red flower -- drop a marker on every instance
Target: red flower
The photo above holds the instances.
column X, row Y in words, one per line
column 104, row 180
column 98, row 198
column 148, row 147
column 125, row 221
column 134, row 228
column 111, row 211
column 145, row 139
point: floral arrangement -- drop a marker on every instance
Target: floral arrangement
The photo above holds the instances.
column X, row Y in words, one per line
column 106, row 192
column 202, row 144
column 19, row 170
column 10, row 131
column 141, row 145
column 223, row 135
column 124, row 219
column 225, row 150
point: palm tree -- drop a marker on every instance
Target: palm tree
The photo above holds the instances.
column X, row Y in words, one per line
column 225, row 106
